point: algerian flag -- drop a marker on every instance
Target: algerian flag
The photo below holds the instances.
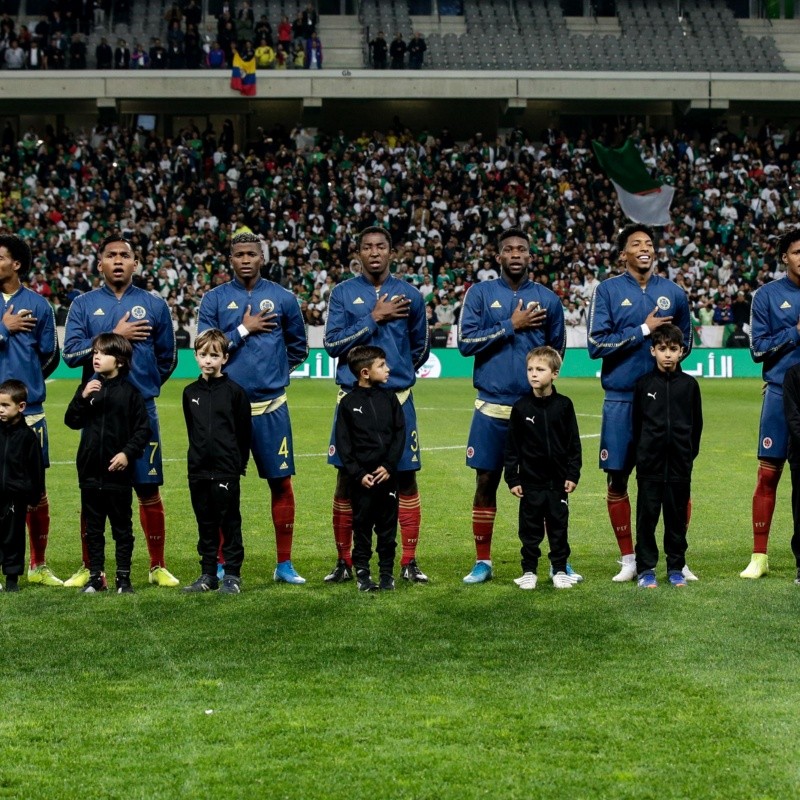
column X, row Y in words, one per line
column 641, row 198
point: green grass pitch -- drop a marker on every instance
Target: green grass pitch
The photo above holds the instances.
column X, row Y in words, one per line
column 438, row 691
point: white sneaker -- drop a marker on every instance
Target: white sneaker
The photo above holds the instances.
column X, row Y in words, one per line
column 627, row 571
column 570, row 573
column 527, row 581
column 688, row 574
column 563, row 581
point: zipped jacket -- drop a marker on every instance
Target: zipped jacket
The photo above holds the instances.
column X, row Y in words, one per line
column 543, row 445
column 667, row 425
column 21, row 464
column 112, row 420
column 218, row 422
column 370, row 431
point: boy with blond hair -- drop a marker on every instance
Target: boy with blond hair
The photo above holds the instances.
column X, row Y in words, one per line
column 217, row 414
column 542, row 467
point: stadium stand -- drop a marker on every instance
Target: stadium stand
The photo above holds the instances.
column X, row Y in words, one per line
column 497, row 34
column 307, row 193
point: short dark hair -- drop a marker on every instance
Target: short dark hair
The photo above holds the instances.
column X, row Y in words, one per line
column 667, row 334
column 784, row 243
column 376, row 229
column 110, row 239
column 363, row 355
column 112, row 344
column 15, row 389
column 629, row 230
column 19, row 250
column 512, row 233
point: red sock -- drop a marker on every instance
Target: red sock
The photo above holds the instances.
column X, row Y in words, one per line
column 38, row 530
column 220, row 557
column 283, row 517
column 769, row 476
column 409, row 516
column 619, row 512
column 84, row 546
column 343, row 529
column 482, row 530
column 151, row 517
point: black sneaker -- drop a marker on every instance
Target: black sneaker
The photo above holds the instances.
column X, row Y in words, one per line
column 123, row 583
column 96, row 583
column 341, row 572
column 205, row 583
column 231, row 584
column 365, row 582
column 411, row 572
column 387, row 583
column 12, row 583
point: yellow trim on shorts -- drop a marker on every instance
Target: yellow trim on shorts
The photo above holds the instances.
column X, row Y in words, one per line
column 493, row 410
column 267, row 406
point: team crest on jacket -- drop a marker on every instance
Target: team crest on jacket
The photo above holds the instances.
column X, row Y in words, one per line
column 534, row 305
column 766, row 442
column 331, row 450
column 397, row 297
column 138, row 312
column 663, row 303
column 604, row 455
column 266, row 306
column 470, row 452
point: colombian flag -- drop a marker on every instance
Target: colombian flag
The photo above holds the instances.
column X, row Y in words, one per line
column 243, row 75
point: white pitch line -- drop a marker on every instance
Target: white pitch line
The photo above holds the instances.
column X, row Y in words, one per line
column 321, row 455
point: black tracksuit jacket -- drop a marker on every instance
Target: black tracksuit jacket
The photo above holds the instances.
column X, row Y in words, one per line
column 113, row 420
column 370, row 431
column 667, row 425
column 543, row 444
column 219, row 425
column 21, row 465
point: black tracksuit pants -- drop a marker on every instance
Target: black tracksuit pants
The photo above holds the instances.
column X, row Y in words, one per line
column 216, row 507
column 114, row 505
column 13, row 510
column 374, row 508
column 795, row 473
column 543, row 511
column 673, row 498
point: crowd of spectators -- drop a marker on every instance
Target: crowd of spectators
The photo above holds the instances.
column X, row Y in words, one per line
column 444, row 202
column 59, row 39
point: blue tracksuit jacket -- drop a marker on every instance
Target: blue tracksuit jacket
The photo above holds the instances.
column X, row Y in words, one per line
column 261, row 362
column 485, row 331
column 350, row 323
